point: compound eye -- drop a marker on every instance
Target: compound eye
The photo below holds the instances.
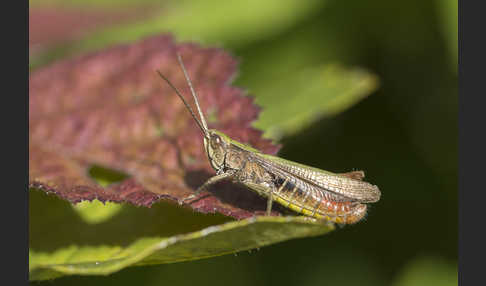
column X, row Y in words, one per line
column 216, row 140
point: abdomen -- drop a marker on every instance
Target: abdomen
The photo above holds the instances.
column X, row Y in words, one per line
column 313, row 202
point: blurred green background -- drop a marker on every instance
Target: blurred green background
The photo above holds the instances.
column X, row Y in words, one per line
column 404, row 134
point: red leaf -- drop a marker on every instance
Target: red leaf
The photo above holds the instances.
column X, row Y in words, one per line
column 112, row 109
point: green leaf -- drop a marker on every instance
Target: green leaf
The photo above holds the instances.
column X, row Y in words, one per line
column 295, row 101
column 212, row 241
column 96, row 211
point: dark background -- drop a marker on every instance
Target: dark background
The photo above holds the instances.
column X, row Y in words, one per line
column 404, row 135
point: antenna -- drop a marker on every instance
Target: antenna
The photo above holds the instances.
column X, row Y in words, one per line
column 202, row 127
column 193, row 92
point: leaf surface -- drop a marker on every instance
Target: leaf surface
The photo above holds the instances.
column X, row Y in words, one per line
column 212, row 241
column 112, row 110
column 299, row 100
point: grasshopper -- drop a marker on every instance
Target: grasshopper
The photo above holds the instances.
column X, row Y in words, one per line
column 335, row 197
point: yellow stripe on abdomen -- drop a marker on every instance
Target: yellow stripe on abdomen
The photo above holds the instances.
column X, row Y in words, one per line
column 338, row 212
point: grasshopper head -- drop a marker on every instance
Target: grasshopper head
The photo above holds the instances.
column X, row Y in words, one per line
column 216, row 144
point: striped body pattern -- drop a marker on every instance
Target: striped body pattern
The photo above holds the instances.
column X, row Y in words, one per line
column 311, row 192
column 315, row 204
